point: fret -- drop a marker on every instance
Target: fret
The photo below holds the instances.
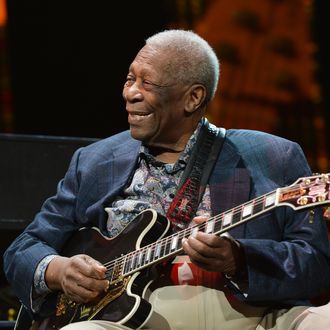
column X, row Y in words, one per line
column 162, row 251
column 168, row 245
column 134, row 260
column 218, row 224
column 109, row 273
column 143, row 256
column 117, row 270
column 202, row 227
column 152, row 252
column 127, row 264
column 258, row 206
column 227, row 219
column 236, row 216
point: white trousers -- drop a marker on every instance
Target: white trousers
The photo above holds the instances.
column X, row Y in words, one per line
column 198, row 308
column 315, row 318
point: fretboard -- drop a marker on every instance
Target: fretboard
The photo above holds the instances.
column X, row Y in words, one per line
column 172, row 245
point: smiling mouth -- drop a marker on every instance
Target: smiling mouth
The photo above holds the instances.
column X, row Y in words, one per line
column 137, row 116
column 143, row 114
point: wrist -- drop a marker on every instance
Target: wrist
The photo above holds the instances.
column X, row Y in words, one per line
column 239, row 268
column 54, row 272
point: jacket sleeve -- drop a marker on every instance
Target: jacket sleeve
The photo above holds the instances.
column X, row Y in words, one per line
column 288, row 256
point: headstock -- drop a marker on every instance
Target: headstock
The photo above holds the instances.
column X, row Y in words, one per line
column 306, row 192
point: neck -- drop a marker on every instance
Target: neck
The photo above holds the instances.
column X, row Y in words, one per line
column 170, row 152
column 166, row 155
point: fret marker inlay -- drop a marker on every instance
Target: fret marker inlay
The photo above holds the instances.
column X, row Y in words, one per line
column 247, row 210
column 270, row 200
column 227, row 219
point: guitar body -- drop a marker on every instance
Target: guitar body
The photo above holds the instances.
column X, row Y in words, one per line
column 124, row 303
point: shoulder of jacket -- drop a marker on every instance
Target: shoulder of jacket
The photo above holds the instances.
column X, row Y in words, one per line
column 255, row 136
column 121, row 142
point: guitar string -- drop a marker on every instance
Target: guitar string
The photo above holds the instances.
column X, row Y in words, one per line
column 182, row 234
column 160, row 245
column 151, row 248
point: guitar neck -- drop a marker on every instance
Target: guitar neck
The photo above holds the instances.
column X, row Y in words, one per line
column 312, row 191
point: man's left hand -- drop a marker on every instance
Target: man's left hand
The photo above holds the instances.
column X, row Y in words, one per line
column 214, row 253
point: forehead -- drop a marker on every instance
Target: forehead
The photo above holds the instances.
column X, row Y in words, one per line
column 151, row 61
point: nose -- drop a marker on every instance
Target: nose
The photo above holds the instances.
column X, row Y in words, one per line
column 132, row 92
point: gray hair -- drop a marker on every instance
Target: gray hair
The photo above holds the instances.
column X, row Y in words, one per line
column 192, row 59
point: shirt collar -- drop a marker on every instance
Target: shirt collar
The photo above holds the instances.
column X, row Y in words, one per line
column 183, row 159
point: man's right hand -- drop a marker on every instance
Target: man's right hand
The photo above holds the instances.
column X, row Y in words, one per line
column 80, row 277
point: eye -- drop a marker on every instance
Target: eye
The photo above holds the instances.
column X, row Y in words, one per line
column 129, row 81
column 148, row 85
column 146, row 82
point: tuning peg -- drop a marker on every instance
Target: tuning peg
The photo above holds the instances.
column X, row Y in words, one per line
column 326, row 213
column 325, row 177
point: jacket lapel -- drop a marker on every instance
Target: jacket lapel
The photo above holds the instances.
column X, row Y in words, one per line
column 230, row 185
column 118, row 168
column 112, row 175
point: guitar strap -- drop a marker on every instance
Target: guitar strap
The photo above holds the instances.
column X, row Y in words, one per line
column 195, row 177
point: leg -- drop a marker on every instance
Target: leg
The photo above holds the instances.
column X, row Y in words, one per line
column 188, row 307
column 282, row 319
column 314, row 318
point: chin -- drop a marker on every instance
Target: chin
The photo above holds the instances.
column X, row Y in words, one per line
column 135, row 134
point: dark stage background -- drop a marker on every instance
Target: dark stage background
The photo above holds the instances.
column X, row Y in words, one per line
column 70, row 60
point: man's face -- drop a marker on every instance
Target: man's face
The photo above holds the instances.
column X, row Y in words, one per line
column 154, row 100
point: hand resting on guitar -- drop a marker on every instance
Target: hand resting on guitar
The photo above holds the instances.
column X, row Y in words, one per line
column 213, row 253
column 80, row 277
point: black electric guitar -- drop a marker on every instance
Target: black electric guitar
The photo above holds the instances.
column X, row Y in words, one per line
column 147, row 241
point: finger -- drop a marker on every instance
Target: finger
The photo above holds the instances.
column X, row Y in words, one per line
column 193, row 247
column 88, row 281
column 199, row 219
column 200, row 252
column 211, row 240
column 210, row 262
column 90, row 267
column 79, row 293
column 85, row 289
column 97, row 268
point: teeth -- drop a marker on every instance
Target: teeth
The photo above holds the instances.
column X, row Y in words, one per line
column 140, row 114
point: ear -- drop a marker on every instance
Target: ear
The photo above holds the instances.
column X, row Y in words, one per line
column 195, row 97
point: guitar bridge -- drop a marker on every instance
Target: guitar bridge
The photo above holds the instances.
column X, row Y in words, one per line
column 81, row 312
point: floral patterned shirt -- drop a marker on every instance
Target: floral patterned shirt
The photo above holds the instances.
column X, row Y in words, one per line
column 153, row 185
